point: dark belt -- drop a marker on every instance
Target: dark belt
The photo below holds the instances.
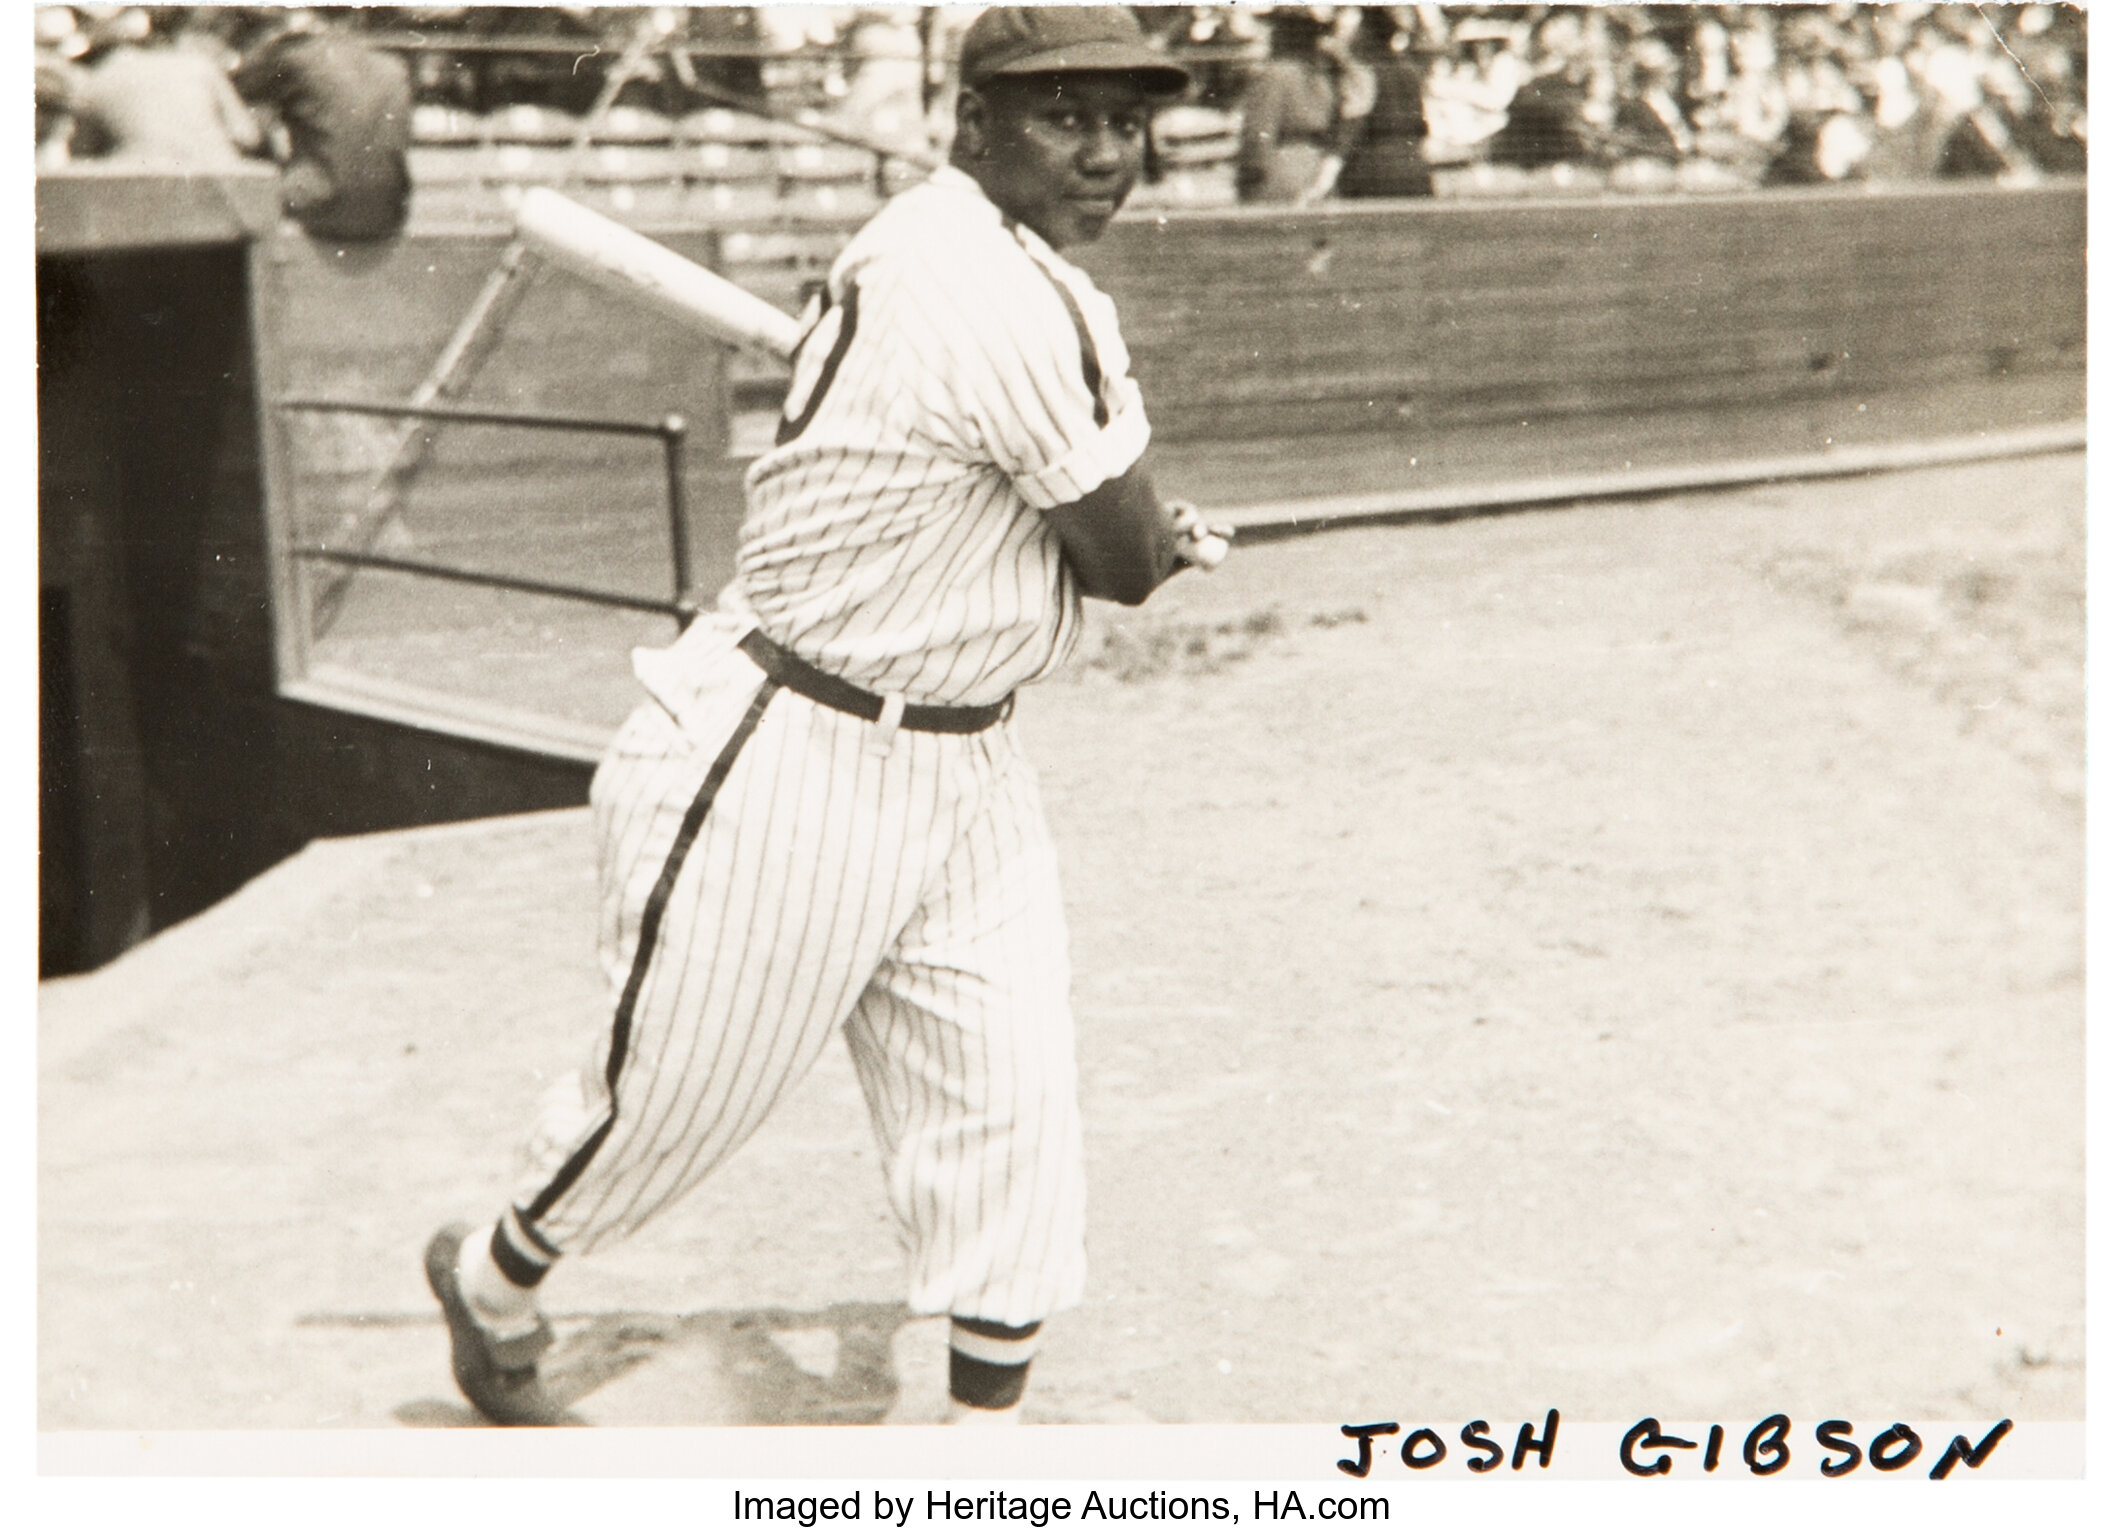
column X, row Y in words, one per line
column 791, row 672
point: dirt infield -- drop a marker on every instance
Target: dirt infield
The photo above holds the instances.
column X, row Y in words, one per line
column 1625, row 959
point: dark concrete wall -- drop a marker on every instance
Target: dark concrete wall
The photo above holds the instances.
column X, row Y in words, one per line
column 170, row 772
column 155, row 634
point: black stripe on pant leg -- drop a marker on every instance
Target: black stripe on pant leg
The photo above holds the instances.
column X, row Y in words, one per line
column 645, row 949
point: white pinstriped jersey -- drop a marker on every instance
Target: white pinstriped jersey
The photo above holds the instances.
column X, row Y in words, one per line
column 962, row 378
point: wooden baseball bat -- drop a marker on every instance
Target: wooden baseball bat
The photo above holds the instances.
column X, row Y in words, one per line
column 616, row 258
column 575, row 237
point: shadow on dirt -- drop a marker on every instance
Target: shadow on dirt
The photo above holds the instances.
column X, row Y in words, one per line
column 771, row 1365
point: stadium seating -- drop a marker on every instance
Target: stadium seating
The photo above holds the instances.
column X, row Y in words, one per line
column 710, row 166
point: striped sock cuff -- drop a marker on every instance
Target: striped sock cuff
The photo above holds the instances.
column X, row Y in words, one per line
column 992, row 1342
column 519, row 1253
column 989, row 1362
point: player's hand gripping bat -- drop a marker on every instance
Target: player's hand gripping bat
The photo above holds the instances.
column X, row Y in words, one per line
column 1203, row 545
column 614, row 257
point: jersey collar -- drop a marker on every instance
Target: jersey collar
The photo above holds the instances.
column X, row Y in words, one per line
column 955, row 181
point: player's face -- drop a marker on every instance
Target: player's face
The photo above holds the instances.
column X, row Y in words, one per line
column 1060, row 153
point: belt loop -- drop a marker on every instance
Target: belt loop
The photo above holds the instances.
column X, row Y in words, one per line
column 888, row 723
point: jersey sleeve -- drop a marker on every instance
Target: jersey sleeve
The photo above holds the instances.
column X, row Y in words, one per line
column 1018, row 370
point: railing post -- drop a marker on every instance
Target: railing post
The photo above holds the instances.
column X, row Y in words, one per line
column 681, row 540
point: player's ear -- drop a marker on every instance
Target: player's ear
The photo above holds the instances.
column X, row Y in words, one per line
column 975, row 122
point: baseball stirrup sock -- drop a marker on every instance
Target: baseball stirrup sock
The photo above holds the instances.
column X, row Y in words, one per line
column 519, row 1252
column 486, row 1271
column 989, row 1361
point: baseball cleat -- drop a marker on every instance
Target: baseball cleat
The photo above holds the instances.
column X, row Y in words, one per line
column 497, row 1376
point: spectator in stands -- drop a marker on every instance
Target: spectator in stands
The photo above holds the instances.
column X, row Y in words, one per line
column 736, row 75
column 1388, row 156
column 1215, row 41
column 1549, row 120
column 1817, row 149
column 1814, row 77
column 1468, row 93
column 534, row 76
column 881, row 95
column 344, row 110
column 60, row 41
column 1300, row 111
column 1649, row 122
column 58, row 92
column 2049, row 125
column 1907, row 133
column 1725, row 95
column 1829, row 134
column 1956, row 58
column 1759, row 106
column 159, row 96
column 1709, row 63
column 1741, row 120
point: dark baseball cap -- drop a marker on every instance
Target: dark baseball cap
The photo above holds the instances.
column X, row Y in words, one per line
column 1064, row 39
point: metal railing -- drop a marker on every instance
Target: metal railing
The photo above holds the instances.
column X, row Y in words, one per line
column 683, row 604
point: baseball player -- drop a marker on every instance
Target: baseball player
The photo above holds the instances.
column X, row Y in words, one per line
column 820, row 818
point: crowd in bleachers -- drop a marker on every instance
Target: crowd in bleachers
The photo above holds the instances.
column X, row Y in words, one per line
column 724, row 110
column 1638, row 97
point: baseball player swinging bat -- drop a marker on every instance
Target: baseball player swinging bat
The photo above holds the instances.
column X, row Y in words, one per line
column 613, row 256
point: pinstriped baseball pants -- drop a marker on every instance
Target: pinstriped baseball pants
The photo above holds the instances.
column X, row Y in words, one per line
column 908, row 896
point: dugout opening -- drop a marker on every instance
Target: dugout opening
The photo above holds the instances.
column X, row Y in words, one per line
column 171, row 767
